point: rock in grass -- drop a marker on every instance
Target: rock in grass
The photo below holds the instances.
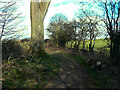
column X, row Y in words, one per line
column 98, row 64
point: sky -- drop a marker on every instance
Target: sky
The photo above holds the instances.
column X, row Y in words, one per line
column 67, row 7
column 23, row 7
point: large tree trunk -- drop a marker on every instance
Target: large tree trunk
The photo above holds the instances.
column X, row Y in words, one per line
column 111, row 49
column 38, row 12
column 114, row 34
column 115, row 49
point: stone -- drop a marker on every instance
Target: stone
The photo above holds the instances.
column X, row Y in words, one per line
column 98, row 63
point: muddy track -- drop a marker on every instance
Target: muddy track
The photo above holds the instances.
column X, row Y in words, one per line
column 71, row 74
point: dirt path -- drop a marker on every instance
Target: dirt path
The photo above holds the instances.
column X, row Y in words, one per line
column 71, row 74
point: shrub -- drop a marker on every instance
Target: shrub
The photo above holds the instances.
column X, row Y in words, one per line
column 11, row 47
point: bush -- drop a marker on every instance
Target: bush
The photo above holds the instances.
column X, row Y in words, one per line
column 25, row 44
column 25, row 40
column 11, row 47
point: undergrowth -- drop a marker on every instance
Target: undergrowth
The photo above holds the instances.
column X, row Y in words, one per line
column 101, row 79
column 29, row 72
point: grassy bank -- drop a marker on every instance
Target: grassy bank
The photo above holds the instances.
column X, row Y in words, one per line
column 29, row 72
column 101, row 79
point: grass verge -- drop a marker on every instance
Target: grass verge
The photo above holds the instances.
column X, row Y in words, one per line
column 99, row 79
column 30, row 71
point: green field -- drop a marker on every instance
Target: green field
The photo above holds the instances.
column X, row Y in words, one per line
column 99, row 43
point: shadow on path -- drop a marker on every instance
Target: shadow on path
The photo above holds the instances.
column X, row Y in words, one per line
column 71, row 74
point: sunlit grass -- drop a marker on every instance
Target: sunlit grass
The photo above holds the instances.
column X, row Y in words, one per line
column 99, row 43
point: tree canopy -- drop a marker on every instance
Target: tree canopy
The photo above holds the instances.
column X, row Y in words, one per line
column 60, row 29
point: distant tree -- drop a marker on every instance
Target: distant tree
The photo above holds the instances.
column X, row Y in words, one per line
column 66, row 33
column 58, row 18
column 110, row 11
column 82, row 32
column 61, row 31
column 10, row 20
column 75, row 39
column 93, row 32
column 113, row 29
column 112, row 14
column 89, row 26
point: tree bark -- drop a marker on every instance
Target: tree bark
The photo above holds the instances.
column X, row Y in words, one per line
column 83, row 44
column 38, row 12
column 78, row 45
